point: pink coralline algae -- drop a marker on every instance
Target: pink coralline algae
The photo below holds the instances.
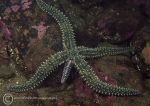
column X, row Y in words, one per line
column 13, row 1
column 7, row 10
column 4, row 29
column 26, row 4
column 105, row 78
column 24, row 1
column 41, row 28
column 81, row 89
column 15, row 8
column 102, row 76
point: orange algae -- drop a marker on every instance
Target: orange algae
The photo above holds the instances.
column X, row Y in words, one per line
column 146, row 53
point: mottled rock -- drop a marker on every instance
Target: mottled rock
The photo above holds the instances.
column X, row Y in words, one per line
column 144, row 4
column 6, row 72
column 86, row 4
column 56, row 96
column 115, row 24
column 147, row 83
column 93, row 23
column 37, row 54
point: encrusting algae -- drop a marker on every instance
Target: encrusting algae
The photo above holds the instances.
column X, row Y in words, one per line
column 146, row 53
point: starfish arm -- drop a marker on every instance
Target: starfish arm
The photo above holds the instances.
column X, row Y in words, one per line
column 93, row 81
column 43, row 71
column 102, row 51
column 66, row 71
column 64, row 23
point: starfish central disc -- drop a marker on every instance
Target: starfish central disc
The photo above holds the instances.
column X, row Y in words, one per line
column 73, row 53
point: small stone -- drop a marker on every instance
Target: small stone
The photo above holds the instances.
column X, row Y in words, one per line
column 5, row 72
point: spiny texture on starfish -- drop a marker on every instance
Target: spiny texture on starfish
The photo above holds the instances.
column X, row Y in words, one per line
column 74, row 55
column 64, row 23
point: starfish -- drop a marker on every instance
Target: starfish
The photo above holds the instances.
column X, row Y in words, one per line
column 75, row 56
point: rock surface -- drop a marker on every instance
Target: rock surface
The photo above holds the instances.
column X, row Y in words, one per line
column 95, row 22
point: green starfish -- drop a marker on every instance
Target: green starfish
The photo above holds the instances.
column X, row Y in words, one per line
column 73, row 55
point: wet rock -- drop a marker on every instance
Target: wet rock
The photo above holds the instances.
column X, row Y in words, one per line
column 143, row 4
column 5, row 30
column 143, row 34
column 37, row 53
column 40, row 49
column 86, row 4
column 117, row 70
column 115, row 24
column 52, row 40
column 56, row 96
column 147, row 83
column 82, row 90
column 6, row 72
